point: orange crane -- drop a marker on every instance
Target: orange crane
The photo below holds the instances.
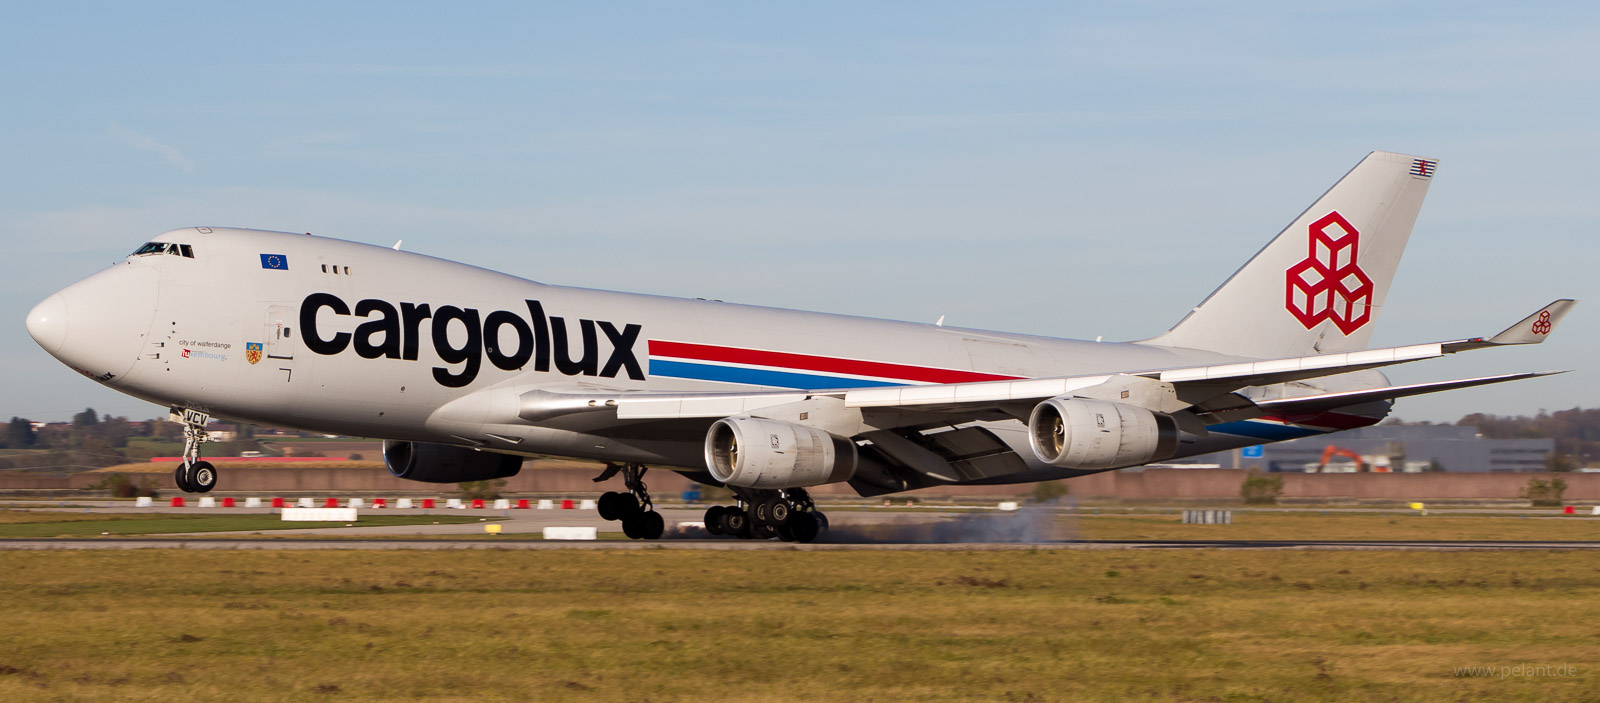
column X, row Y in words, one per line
column 1332, row 451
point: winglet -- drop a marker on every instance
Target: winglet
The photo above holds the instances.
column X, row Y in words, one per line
column 1534, row 328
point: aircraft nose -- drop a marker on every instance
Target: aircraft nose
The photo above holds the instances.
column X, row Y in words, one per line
column 110, row 314
column 47, row 323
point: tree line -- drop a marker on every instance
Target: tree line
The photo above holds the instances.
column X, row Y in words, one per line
column 92, row 441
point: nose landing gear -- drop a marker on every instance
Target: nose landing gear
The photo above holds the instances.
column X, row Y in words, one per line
column 634, row 508
column 193, row 475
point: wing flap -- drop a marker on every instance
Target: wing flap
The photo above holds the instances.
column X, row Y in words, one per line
column 1285, row 370
column 1329, row 401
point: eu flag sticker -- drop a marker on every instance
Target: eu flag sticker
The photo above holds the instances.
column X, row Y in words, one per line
column 275, row 261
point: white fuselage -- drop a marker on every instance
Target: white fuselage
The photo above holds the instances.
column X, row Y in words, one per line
column 340, row 337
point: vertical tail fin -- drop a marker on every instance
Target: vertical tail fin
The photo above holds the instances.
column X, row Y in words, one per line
column 1319, row 285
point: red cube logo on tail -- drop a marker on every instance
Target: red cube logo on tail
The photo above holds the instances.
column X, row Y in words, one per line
column 1328, row 284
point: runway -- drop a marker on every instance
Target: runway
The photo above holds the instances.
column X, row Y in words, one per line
column 278, row 543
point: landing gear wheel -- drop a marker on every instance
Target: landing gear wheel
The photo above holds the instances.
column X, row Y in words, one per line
column 192, row 474
column 777, row 511
column 616, row 505
column 608, row 506
column 654, row 525
column 714, row 519
column 180, row 476
column 627, row 505
column 760, row 529
column 734, row 522
column 202, row 476
column 804, row 527
column 646, row 525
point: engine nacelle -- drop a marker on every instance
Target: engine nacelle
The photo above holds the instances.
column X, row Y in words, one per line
column 1076, row 433
column 753, row 452
column 437, row 463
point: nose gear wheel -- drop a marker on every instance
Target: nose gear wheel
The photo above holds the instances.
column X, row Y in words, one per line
column 193, row 475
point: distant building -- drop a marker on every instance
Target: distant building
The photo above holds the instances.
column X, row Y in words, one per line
column 1411, row 448
column 275, row 432
column 220, row 432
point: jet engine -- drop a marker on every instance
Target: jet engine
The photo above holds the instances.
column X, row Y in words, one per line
column 753, row 452
column 437, row 463
column 1076, row 433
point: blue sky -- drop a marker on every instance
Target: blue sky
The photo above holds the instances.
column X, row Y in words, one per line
column 1002, row 164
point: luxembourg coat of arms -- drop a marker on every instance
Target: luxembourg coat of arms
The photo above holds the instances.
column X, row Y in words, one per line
column 252, row 352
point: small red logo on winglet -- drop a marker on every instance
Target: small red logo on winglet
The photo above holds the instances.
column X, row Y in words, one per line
column 1328, row 284
column 1542, row 325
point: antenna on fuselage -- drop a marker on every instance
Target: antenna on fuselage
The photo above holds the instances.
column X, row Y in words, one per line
column 397, row 244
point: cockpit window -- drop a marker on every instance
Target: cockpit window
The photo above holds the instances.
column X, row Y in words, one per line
column 164, row 248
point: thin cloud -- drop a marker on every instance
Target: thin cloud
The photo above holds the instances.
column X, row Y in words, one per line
column 139, row 141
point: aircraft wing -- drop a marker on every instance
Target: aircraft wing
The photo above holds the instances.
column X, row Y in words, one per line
column 1329, row 401
column 1164, row 390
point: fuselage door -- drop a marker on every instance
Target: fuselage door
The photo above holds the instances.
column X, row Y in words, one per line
column 280, row 340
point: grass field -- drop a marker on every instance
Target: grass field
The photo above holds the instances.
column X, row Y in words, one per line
column 164, row 447
column 32, row 524
column 1312, row 524
column 798, row 626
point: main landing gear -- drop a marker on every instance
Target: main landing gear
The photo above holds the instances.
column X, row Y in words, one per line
column 192, row 474
column 634, row 508
column 789, row 515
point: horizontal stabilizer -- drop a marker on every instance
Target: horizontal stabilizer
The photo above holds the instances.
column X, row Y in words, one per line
column 1329, row 401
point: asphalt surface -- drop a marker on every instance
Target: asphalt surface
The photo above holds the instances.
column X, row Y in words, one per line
column 852, row 527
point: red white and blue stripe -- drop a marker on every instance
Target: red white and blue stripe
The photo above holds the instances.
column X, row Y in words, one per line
column 761, row 367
